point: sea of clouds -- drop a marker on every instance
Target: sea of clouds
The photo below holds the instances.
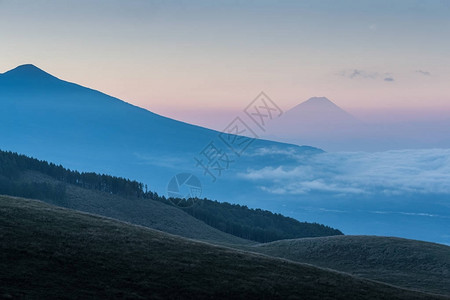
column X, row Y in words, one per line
column 390, row 172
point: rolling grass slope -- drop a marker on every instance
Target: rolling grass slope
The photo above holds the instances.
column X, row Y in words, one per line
column 402, row 262
column 50, row 252
column 145, row 212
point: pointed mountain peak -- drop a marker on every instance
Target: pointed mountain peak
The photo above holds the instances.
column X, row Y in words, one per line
column 27, row 72
column 319, row 110
column 318, row 101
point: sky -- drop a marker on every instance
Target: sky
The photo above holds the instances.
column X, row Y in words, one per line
column 206, row 60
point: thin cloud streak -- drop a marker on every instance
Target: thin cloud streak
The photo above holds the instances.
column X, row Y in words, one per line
column 364, row 74
column 425, row 73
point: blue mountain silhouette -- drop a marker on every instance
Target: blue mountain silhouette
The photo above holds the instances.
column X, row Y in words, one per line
column 55, row 120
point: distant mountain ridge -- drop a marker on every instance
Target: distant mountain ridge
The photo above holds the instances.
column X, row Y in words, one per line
column 320, row 109
column 317, row 121
column 313, row 115
column 28, row 72
column 87, row 130
column 320, row 122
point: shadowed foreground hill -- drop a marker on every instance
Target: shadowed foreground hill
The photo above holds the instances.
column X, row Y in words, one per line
column 408, row 263
column 49, row 252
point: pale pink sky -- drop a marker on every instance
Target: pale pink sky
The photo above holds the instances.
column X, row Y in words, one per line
column 201, row 59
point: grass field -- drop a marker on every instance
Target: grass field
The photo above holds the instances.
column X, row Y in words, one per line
column 408, row 263
column 50, row 252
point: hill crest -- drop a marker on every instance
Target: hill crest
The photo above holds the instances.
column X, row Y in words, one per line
column 27, row 72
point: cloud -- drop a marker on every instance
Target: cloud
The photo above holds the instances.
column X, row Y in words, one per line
column 316, row 185
column 418, row 214
column 425, row 73
column 362, row 74
column 291, row 151
column 160, row 160
column 355, row 73
column 287, row 153
column 389, row 173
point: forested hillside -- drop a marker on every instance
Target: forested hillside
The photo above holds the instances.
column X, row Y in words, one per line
column 252, row 224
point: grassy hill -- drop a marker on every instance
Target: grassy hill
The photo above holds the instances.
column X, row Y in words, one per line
column 51, row 252
column 407, row 263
